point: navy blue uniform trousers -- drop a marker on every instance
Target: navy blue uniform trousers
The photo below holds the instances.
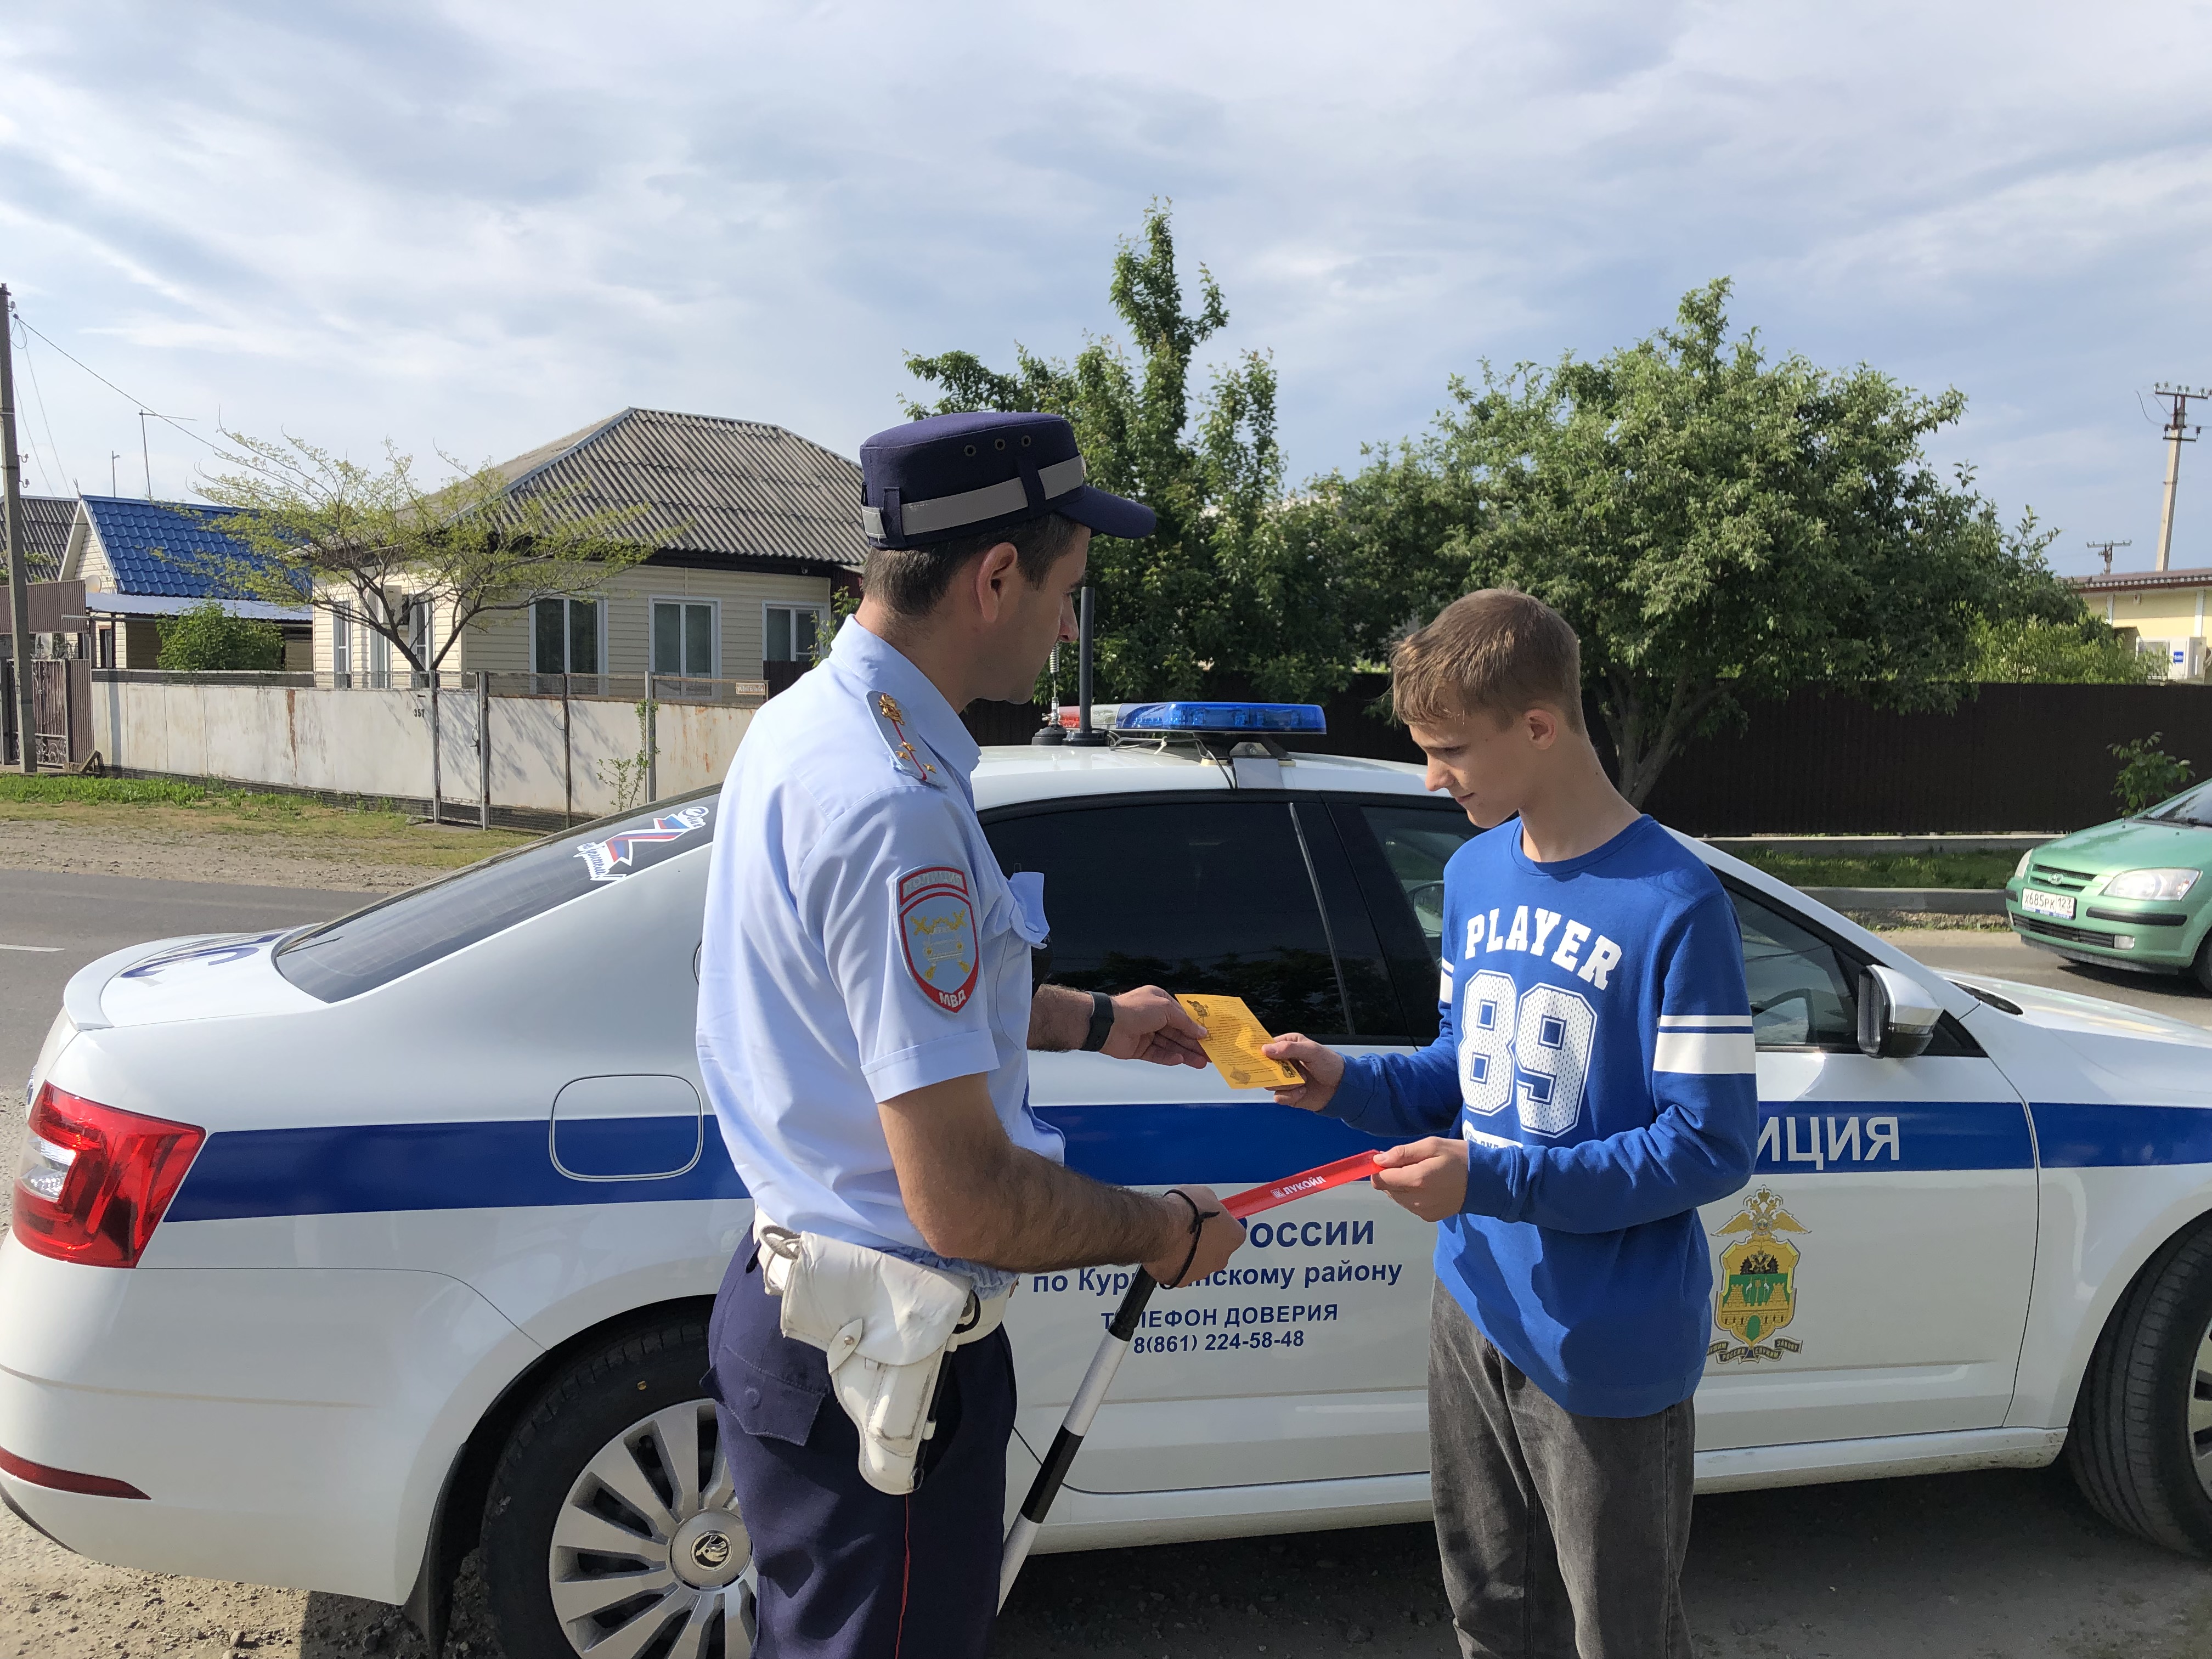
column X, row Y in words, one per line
column 847, row 1571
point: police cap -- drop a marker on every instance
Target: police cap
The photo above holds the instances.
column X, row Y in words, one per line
column 964, row 475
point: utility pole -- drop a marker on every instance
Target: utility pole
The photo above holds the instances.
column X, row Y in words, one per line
column 2178, row 432
column 2106, row 549
column 19, row 583
column 113, row 487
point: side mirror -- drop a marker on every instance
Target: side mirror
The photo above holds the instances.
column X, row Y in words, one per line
column 1897, row 1016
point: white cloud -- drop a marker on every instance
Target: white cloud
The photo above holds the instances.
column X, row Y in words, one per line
column 481, row 225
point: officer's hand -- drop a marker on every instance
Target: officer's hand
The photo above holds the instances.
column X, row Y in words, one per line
column 1323, row 1068
column 1428, row 1177
column 1220, row 1238
column 1150, row 1024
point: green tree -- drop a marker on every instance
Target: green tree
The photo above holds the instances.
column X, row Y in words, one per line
column 373, row 544
column 377, row 547
column 2081, row 650
column 208, row 637
column 1189, row 603
column 1718, row 527
column 2148, row 774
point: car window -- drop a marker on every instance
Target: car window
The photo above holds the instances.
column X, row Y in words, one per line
column 1206, row 897
column 1418, row 842
column 2191, row 806
column 372, row 947
column 1802, row 992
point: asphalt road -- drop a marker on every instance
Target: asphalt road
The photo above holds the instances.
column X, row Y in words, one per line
column 2001, row 955
column 52, row 924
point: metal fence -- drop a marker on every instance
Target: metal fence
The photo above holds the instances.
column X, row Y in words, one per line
column 1825, row 761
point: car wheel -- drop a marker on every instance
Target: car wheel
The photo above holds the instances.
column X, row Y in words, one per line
column 610, row 1527
column 2140, row 1443
column 2202, row 966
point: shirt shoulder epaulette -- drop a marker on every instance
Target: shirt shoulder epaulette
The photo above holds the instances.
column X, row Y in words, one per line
column 908, row 754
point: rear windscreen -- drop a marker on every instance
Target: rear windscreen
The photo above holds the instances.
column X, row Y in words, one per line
column 372, row 947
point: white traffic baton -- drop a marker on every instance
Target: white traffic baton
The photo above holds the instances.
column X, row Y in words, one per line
column 1108, row 1360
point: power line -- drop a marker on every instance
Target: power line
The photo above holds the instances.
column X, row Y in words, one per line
column 140, row 404
column 38, row 397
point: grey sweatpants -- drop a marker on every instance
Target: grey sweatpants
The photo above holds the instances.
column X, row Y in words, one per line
column 1562, row 1536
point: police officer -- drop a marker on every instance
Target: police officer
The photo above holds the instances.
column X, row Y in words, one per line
column 865, row 1014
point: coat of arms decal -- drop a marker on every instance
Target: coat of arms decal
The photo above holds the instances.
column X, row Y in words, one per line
column 1757, row 1295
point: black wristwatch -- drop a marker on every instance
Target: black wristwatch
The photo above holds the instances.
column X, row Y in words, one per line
column 1101, row 1022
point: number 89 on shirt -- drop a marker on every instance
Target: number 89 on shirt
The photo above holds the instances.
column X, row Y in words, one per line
column 1530, row 1047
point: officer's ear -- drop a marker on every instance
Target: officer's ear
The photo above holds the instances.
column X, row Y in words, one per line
column 997, row 568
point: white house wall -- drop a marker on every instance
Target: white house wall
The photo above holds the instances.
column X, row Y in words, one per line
column 499, row 641
column 376, row 743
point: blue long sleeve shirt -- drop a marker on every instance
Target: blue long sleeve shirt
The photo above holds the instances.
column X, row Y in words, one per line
column 1595, row 1052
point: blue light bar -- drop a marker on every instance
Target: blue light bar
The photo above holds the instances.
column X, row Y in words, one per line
column 1221, row 717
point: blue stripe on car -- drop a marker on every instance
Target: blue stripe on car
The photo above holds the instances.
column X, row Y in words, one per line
column 1823, row 1135
column 353, row 1169
column 2118, row 1137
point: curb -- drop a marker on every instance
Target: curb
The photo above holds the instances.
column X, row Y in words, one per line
column 1928, row 901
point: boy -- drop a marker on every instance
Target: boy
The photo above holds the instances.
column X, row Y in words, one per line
column 1591, row 1085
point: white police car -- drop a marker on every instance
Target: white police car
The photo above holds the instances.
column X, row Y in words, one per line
column 338, row 1250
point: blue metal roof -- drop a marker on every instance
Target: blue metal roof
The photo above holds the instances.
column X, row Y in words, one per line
column 176, row 549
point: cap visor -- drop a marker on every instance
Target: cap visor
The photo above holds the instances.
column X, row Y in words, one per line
column 1109, row 515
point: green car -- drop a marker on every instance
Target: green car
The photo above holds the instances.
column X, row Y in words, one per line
column 2135, row 893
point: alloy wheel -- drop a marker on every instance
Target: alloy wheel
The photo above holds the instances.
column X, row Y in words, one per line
column 649, row 1555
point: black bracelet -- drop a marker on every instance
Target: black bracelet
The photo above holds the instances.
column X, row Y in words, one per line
column 1198, row 1221
column 1101, row 1022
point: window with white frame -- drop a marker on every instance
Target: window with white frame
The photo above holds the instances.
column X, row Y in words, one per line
column 341, row 650
column 683, row 639
column 793, row 633
column 564, row 636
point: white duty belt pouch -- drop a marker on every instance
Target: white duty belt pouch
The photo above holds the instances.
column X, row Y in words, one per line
column 886, row 1325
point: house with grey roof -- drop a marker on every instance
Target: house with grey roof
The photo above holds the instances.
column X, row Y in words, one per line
column 46, row 520
column 142, row 560
column 751, row 526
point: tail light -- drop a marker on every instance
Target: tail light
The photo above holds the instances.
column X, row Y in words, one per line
column 93, row 1181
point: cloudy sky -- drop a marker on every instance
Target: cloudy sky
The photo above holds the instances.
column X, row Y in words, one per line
column 473, row 227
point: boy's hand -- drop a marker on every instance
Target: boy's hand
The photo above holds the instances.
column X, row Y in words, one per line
column 1428, row 1177
column 1323, row 1068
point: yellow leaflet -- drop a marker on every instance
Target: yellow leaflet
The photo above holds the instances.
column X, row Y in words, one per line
column 1233, row 1036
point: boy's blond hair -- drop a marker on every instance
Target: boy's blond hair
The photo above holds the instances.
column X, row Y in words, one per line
column 1498, row 652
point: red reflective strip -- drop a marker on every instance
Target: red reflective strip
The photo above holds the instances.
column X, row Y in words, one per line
column 95, row 1486
column 1253, row 1200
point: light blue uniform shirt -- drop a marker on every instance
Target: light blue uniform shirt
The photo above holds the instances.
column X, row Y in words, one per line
column 860, row 943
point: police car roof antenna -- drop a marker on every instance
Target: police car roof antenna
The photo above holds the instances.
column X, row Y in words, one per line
column 1083, row 735
column 1119, row 1331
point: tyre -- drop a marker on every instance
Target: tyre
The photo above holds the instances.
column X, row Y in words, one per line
column 2202, row 966
column 609, row 1527
column 2141, row 1445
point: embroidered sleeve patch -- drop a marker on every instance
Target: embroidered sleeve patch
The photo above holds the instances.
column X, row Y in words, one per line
column 937, row 931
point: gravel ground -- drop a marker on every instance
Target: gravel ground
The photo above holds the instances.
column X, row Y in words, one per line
column 2003, row 1565
column 195, row 855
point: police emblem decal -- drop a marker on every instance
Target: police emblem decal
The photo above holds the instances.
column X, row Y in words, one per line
column 617, row 856
column 937, row 931
column 1757, row 1294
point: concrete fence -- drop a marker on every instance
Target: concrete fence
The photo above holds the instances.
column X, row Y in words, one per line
column 515, row 745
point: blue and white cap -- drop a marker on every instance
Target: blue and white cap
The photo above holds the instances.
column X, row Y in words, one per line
column 964, row 475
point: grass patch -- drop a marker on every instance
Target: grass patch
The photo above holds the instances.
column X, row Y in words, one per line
column 167, row 813
column 1979, row 870
column 129, row 792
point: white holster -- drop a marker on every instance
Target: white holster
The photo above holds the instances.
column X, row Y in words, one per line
column 886, row 1325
